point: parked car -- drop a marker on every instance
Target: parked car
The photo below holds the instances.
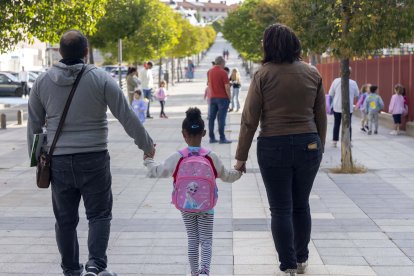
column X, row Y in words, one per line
column 10, row 85
column 32, row 77
column 108, row 68
column 115, row 72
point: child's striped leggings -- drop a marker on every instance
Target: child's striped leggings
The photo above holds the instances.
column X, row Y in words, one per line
column 199, row 228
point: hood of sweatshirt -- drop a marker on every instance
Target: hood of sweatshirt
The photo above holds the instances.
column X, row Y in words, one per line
column 64, row 75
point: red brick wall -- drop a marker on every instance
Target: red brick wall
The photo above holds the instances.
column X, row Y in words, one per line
column 383, row 72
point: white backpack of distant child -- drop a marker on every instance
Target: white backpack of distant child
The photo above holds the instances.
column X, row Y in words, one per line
column 195, row 188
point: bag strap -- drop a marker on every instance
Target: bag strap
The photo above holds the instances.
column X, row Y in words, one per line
column 65, row 111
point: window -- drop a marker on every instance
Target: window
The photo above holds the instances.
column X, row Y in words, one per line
column 204, row 9
column 217, row 9
column 223, row 10
column 4, row 79
column 211, row 9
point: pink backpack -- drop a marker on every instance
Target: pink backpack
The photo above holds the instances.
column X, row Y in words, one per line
column 195, row 188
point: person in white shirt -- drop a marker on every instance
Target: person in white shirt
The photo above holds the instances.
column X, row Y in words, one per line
column 147, row 84
column 24, row 78
column 335, row 92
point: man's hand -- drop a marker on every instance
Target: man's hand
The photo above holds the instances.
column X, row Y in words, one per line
column 240, row 166
column 150, row 154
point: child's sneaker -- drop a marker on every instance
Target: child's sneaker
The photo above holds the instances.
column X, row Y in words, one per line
column 287, row 272
column 334, row 144
column 363, row 129
column 376, row 132
column 394, row 132
column 204, row 273
column 302, row 267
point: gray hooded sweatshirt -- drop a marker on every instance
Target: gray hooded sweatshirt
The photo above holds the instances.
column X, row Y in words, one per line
column 86, row 126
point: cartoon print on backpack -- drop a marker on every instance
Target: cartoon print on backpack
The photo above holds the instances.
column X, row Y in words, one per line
column 190, row 202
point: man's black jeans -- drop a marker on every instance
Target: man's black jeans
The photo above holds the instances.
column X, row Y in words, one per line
column 85, row 175
column 288, row 165
column 337, row 125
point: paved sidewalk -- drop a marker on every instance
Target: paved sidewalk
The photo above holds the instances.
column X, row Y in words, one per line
column 362, row 224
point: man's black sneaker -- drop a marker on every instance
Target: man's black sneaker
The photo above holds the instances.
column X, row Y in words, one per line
column 91, row 271
column 363, row 129
column 150, row 117
column 225, row 141
column 212, row 141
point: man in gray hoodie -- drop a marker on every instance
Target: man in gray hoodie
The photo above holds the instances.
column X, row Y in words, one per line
column 80, row 163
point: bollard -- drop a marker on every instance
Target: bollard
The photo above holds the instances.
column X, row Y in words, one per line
column 3, row 121
column 20, row 117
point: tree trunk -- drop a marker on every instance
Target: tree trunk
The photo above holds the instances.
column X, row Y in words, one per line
column 91, row 58
column 347, row 164
column 160, row 72
column 172, row 71
column 178, row 69
column 346, row 152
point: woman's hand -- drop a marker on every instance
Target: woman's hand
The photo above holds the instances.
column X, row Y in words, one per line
column 240, row 166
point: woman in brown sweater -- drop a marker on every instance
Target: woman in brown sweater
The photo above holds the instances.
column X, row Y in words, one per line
column 287, row 97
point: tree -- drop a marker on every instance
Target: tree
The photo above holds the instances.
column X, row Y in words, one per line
column 120, row 21
column 349, row 28
column 46, row 20
column 149, row 37
column 244, row 26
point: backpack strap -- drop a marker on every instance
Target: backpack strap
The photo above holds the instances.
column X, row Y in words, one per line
column 185, row 153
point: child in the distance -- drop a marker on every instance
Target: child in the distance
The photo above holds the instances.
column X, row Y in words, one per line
column 373, row 105
column 397, row 107
column 197, row 211
column 161, row 96
column 139, row 105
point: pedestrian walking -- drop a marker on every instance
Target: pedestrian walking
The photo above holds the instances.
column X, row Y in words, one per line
column 189, row 73
column 139, row 105
column 286, row 95
column 373, row 105
column 235, row 83
column 218, row 82
column 132, row 82
column 147, row 84
column 161, row 96
column 80, row 164
column 361, row 107
column 24, row 78
column 397, row 107
column 191, row 195
column 335, row 93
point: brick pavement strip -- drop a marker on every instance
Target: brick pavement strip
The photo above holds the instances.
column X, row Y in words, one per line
column 362, row 224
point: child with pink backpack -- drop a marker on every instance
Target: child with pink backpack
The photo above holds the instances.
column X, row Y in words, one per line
column 194, row 170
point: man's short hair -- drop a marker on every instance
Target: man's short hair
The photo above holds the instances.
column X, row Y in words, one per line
column 220, row 60
column 73, row 44
column 149, row 63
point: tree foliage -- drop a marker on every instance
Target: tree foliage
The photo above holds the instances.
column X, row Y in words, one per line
column 244, row 26
column 149, row 29
column 46, row 20
column 120, row 21
column 371, row 24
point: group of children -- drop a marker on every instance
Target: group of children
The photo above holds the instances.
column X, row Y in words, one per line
column 140, row 104
column 370, row 104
